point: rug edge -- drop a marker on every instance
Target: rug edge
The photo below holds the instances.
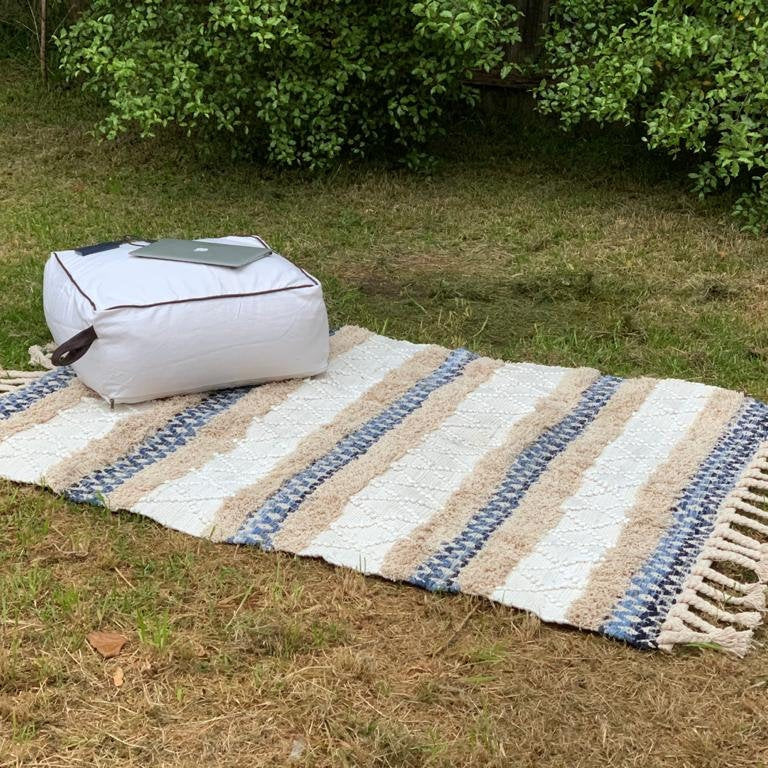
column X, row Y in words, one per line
column 738, row 603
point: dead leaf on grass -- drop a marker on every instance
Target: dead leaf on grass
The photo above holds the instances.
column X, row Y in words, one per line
column 107, row 644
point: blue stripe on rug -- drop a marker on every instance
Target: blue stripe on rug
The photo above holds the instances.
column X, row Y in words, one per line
column 441, row 570
column 262, row 525
column 47, row 384
column 638, row 616
column 175, row 433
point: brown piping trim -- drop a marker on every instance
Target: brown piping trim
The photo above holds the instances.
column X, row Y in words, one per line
column 208, row 298
column 74, row 282
column 313, row 283
column 267, row 245
column 253, row 237
column 306, row 274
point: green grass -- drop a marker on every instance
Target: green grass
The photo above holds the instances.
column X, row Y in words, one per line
column 522, row 244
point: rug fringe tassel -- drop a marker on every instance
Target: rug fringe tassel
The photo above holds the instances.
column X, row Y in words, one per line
column 753, row 599
column 748, row 522
column 41, row 355
column 11, row 380
column 710, row 596
column 677, row 632
column 747, row 544
column 746, row 506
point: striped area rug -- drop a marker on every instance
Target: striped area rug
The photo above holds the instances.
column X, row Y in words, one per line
column 631, row 507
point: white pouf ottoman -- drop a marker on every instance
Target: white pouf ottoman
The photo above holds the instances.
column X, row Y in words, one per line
column 135, row 329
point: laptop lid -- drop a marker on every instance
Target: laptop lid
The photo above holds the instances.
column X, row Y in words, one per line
column 200, row 252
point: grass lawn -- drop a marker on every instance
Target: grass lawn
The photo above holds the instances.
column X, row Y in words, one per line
column 534, row 247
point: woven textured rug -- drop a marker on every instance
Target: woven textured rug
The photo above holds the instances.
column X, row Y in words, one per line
column 631, row 507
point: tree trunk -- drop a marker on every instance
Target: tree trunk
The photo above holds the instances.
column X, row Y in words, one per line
column 43, row 41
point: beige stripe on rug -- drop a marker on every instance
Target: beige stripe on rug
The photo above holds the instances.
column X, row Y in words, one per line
column 45, row 409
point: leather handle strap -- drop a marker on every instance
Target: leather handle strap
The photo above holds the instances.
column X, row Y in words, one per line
column 73, row 349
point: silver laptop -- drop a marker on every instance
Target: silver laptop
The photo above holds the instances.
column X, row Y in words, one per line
column 214, row 254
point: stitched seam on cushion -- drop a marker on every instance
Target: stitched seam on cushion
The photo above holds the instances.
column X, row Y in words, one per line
column 209, row 298
column 75, row 283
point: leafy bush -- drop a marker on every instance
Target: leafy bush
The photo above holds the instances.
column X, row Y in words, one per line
column 302, row 81
column 693, row 74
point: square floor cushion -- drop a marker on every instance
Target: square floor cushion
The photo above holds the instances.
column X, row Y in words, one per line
column 134, row 329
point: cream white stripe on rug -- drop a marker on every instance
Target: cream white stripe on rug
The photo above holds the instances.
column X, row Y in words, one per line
column 190, row 502
column 27, row 455
column 416, row 486
column 552, row 577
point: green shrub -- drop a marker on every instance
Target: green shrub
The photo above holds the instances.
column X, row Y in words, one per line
column 693, row 74
column 300, row 81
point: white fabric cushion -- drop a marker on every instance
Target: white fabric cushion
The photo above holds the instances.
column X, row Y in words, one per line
column 169, row 327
